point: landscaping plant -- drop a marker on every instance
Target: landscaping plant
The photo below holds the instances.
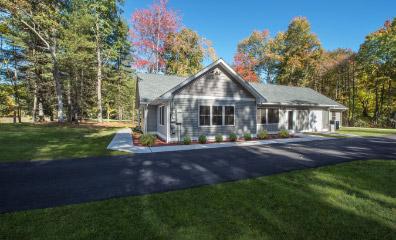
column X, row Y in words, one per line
column 202, row 139
column 219, row 138
column 186, row 140
column 147, row 139
column 283, row 133
column 262, row 134
column 247, row 136
column 232, row 137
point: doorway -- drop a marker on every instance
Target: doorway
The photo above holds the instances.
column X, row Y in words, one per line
column 290, row 120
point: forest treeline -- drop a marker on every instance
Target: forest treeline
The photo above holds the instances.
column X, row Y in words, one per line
column 364, row 81
column 75, row 59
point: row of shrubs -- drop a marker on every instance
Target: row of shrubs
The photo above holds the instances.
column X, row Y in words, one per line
column 149, row 139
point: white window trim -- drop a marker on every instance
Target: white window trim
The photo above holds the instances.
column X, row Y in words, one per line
column 211, row 115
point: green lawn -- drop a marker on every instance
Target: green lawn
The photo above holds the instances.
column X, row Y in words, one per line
column 376, row 132
column 348, row 201
column 51, row 141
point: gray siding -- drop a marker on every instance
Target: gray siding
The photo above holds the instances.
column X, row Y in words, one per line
column 162, row 128
column 188, row 116
column 216, row 84
column 151, row 118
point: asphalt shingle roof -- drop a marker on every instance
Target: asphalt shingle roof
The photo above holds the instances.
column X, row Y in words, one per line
column 151, row 86
column 292, row 95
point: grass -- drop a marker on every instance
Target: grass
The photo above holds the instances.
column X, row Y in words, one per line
column 325, row 135
column 354, row 200
column 21, row 142
column 366, row 132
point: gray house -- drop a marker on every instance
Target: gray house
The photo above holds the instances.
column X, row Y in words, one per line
column 217, row 100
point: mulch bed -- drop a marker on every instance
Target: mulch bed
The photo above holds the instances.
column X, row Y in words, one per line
column 159, row 142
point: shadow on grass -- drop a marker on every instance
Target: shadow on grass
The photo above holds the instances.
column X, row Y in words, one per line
column 348, row 201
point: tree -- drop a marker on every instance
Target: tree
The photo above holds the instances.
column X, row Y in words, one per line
column 300, row 52
column 183, row 53
column 377, row 58
column 244, row 65
column 150, row 28
column 43, row 19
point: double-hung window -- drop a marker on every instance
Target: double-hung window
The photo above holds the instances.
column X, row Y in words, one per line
column 216, row 115
column 162, row 115
column 229, row 115
column 204, row 115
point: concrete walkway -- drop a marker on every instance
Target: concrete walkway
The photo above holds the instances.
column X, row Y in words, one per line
column 122, row 141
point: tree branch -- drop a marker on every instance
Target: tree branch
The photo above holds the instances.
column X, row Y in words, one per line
column 37, row 33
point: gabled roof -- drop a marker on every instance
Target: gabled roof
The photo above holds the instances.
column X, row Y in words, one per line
column 157, row 87
column 288, row 95
column 226, row 67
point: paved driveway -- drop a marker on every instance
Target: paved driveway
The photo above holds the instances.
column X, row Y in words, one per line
column 52, row 183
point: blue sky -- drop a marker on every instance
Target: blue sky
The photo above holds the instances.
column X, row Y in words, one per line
column 338, row 24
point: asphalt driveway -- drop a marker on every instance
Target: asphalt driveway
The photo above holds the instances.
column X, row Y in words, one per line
column 42, row 184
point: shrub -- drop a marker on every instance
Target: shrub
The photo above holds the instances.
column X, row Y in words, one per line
column 147, row 139
column 219, row 138
column 247, row 136
column 137, row 130
column 232, row 137
column 283, row 133
column 202, row 139
column 262, row 134
column 186, row 140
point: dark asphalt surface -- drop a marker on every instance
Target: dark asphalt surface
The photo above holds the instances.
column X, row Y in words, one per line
column 42, row 184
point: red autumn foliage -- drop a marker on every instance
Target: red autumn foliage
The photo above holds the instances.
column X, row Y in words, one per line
column 150, row 27
column 244, row 65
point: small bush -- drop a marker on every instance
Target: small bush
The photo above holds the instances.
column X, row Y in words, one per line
column 186, row 140
column 137, row 130
column 219, row 138
column 247, row 136
column 202, row 139
column 283, row 133
column 232, row 137
column 263, row 134
column 147, row 139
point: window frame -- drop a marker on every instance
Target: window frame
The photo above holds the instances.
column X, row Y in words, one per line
column 199, row 115
column 268, row 118
column 162, row 115
column 221, row 115
column 224, row 115
column 265, row 113
column 211, row 115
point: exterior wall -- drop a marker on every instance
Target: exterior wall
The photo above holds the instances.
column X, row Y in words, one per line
column 162, row 129
column 215, row 83
column 151, row 118
column 188, row 117
column 304, row 119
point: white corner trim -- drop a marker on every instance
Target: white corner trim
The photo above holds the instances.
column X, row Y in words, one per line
column 213, row 98
column 167, row 123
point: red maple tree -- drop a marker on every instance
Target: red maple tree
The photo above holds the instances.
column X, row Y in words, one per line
column 150, row 27
column 244, row 66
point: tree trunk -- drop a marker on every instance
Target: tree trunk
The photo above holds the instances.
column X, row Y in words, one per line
column 99, row 72
column 69, row 103
column 34, row 101
column 58, row 84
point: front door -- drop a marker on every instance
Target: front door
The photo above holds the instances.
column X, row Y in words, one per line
column 290, row 120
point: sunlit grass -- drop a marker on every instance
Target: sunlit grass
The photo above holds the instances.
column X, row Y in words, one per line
column 366, row 131
column 354, row 200
column 41, row 142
